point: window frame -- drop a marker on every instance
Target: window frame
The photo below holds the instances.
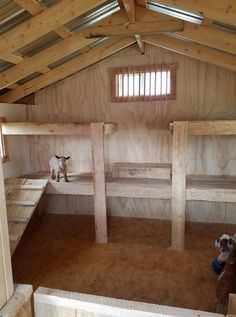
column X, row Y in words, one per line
column 3, row 143
column 113, row 72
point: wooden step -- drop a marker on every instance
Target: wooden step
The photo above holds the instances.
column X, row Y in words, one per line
column 22, row 198
column 142, row 170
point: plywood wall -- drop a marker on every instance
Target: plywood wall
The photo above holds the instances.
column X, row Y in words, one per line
column 204, row 91
column 19, row 159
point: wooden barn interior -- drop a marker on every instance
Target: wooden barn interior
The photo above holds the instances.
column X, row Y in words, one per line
column 139, row 96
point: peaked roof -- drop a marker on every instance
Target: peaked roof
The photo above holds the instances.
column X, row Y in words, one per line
column 44, row 41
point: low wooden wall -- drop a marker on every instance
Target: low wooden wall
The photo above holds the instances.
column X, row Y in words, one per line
column 56, row 303
column 20, row 304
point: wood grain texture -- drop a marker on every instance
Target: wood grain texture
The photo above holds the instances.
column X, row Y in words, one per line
column 178, row 201
column 49, row 301
column 18, row 149
column 204, row 92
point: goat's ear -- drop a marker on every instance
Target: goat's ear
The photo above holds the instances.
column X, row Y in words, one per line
column 57, row 156
column 67, row 158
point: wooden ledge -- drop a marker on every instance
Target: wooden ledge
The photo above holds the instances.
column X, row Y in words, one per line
column 37, row 128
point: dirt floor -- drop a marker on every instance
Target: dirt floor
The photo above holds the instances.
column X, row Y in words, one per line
column 58, row 252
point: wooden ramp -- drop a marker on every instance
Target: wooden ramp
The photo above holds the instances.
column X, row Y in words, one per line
column 22, row 198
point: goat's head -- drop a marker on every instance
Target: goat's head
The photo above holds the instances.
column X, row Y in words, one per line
column 225, row 243
column 62, row 161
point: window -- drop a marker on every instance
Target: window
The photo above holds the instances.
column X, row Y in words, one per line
column 3, row 143
column 143, row 83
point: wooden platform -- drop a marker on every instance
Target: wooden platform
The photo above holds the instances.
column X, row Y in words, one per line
column 22, row 198
column 204, row 188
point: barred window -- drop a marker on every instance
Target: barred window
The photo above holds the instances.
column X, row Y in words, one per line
column 3, row 143
column 143, row 83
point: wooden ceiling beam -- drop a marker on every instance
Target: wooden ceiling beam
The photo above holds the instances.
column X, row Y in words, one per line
column 170, row 25
column 129, row 6
column 76, row 64
column 197, row 51
column 34, row 8
column 209, row 36
column 130, row 9
column 219, row 10
column 45, row 22
column 38, row 62
column 11, row 58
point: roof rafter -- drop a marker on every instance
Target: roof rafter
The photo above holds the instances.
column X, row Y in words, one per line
column 80, row 62
column 220, row 10
column 44, row 23
column 197, row 51
column 209, row 36
column 75, row 42
column 34, row 8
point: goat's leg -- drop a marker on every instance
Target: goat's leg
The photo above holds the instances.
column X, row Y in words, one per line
column 52, row 174
column 65, row 177
column 58, row 177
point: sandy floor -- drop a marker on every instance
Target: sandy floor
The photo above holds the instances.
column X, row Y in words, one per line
column 58, row 252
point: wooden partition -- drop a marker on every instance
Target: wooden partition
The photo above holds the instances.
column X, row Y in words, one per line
column 97, row 132
column 56, row 303
column 181, row 130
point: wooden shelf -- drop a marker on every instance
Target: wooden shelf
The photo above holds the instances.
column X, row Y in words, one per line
column 204, row 188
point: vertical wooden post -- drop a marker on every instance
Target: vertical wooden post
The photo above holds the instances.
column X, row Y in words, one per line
column 97, row 134
column 6, row 279
column 179, row 184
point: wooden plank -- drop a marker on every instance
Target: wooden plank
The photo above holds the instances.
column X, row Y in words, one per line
column 34, row 8
column 45, row 22
column 119, row 187
column 11, row 58
column 197, row 51
column 36, row 128
column 33, row 187
column 44, row 58
column 143, row 28
column 130, row 9
column 179, row 184
column 20, row 304
column 142, row 170
column 99, row 306
column 97, row 135
column 20, row 203
column 220, row 10
column 6, row 280
column 209, row 36
column 84, row 60
column 219, row 127
column 232, row 304
column 140, row 43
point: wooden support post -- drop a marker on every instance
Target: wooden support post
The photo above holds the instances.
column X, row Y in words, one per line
column 6, row 280
column 179, row 184
column 97, row 135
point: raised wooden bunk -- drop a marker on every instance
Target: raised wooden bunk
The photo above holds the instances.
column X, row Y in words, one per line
column 178, row 189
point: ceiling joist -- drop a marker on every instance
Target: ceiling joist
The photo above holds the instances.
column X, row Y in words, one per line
column 77, row 63
column 197, row 51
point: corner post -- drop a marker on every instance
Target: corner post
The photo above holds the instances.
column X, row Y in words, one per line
column 179, row 159
column 97, row 135
column 6, row 279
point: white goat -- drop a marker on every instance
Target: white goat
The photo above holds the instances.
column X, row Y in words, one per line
column 58, row 165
